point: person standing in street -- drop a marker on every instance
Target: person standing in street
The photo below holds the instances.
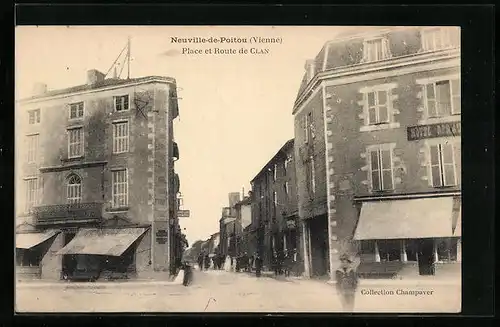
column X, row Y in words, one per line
column 347, row 282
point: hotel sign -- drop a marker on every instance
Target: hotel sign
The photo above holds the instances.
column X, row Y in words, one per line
column 421, row 132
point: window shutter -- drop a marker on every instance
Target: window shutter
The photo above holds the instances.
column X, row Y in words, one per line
column 456, row 96
column 435, row 166
column 375, row 169
column 386, row 160
column 383, row 112
column 448, row 164
column 430, row 98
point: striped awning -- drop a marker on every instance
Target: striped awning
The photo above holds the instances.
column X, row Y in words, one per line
column 106, row 241
column 405, row 219
column 29, row 240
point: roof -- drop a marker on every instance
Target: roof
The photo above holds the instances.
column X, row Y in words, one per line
column 285, row 147
column 347, row 34
column 100, row 85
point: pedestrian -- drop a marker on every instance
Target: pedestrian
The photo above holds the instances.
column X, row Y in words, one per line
column 188, row 274
column 347, row 282
column 258, row 265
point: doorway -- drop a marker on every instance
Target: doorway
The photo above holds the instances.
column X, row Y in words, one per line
column 426, row 257
column 319, row 250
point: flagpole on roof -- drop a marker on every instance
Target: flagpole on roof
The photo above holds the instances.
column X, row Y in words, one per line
column 128, row 58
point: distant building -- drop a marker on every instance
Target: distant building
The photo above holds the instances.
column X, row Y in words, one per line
column 243, row 220
column 95, row 179
column 229, row 227
column 378, row 149
column 274, row 206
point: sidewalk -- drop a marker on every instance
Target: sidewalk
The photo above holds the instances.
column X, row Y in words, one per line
column 422, row 281
column 98, row 284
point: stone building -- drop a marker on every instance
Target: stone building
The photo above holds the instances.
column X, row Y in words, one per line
column 377, row 142
column 95, row 179
column 229, row 227
column 274, row 207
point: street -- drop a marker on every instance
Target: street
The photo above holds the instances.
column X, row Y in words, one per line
column 220, row 291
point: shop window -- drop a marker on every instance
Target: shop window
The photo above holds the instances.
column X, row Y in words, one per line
column 367, row 247
column 389, row 250
column 447, row 249
column 411, row 248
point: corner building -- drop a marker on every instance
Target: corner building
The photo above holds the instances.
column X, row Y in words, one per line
column 96, row 186
column 378, row 147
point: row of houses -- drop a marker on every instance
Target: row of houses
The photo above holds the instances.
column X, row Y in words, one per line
column 96, row 187
column 374, row 168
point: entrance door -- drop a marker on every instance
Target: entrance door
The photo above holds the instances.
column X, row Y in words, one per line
column 319, row 246
column 426, row 257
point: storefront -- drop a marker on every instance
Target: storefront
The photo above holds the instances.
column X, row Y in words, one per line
column 410, row 237
column 108, row 253
column 31, row 247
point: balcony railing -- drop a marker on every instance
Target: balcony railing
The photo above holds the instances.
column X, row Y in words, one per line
column 68, row 213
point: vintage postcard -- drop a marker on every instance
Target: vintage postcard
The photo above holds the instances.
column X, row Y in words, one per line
column 238, row 169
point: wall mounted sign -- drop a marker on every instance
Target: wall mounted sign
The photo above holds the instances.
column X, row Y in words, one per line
column 161, row 236
column 421, row 132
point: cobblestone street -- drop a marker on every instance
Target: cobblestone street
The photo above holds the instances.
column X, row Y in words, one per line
column 220, row 291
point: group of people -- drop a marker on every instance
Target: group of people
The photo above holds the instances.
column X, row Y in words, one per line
column 284, row 262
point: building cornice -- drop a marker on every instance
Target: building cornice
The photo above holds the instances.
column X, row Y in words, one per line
column 101, row 89
column 423, row 61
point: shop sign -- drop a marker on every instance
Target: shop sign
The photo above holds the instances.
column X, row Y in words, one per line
column 421, row 132
column 161, row 236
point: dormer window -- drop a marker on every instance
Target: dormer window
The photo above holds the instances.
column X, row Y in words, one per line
column 437, row 38
column 376, row 49
column 310, row 69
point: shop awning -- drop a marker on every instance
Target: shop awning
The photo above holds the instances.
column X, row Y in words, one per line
column 405, row 219
column 29, row 240
column 106, row 241
column 458, row 226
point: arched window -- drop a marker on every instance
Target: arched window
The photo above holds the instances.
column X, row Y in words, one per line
column 74, row 189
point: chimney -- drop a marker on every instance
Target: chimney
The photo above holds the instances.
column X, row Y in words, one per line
column 94, row 76
column 39, row 89
column 310, row 69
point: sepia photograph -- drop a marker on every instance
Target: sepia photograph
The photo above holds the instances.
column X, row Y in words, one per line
column 272, row 169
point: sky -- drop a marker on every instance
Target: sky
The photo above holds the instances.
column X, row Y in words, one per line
column 235, row 110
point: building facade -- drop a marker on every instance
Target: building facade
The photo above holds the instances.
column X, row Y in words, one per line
column 243, row 221
column 378, row 120
column 229, row 229
column 274, row 208
column 96, row 185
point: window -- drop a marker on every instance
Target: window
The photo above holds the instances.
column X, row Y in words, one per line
column 447, row 249
column 287, row 163
column 389, row 250
column 411, row 249
column 275, row 202
column 34, row 116
column 312, row 175
column 120, row 137
column 376, row 49
column 285, row 189
column 32, row 154
column 306, row 123
column 75, row 142
column 76, row 110
column 442, row 165
column 377, row 107
column 121, row 103
column 381, row 169
column 442, row 98
column 437, row 38
column 275, row 172
column 31, row 188
column 120, row 188
column 74, row 190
